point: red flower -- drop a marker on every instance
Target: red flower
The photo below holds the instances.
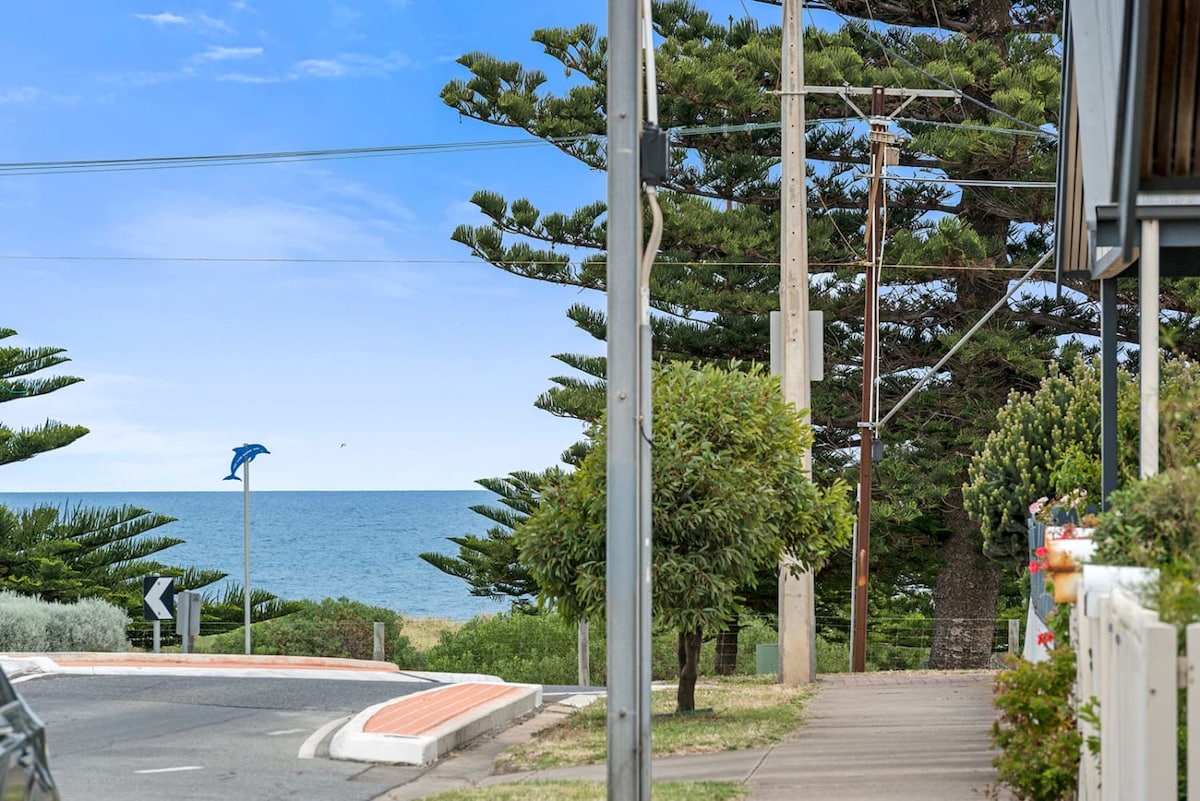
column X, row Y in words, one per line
column 1045, row 638
column 1034, row 566
column 1041, row 552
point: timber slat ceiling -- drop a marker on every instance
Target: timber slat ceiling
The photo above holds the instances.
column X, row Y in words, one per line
column 1073, row 237
column 1169, row 125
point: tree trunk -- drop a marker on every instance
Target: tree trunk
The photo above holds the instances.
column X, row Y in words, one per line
column 689, row 670
column 965, row 597
column 727, row 649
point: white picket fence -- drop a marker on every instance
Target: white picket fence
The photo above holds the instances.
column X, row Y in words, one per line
column 1127, row 660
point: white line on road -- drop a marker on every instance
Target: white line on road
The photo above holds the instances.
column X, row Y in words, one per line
column 171, row 770
column 282, row 732
column 308, row 749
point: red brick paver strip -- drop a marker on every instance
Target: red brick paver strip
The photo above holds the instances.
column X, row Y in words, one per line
column 424, row 712
column 243, row 662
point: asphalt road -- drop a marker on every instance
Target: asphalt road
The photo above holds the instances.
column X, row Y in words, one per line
column 153, row 737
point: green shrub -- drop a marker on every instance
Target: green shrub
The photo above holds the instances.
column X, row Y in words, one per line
column 30, row 624
column 332, row 628
column 1154, row 522
column 537, row 648
column 1036, row 730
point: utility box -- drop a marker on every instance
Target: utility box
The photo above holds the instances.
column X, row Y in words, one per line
column 187, row 618
column 766, row 658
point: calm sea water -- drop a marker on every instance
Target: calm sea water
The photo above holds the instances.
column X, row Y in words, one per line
column 362, row 545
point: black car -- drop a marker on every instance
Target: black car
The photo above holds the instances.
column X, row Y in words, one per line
column 24, row 768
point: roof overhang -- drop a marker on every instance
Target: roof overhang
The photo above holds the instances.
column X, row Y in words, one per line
column 1129, row 147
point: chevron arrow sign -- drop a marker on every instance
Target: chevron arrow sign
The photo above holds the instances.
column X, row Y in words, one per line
column 158, row 597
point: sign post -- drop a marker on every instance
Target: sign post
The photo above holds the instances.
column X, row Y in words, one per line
column 158, row 603
column 241, row 458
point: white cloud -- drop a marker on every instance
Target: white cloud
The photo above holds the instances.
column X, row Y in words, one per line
column 24, row 94
column 163, row 19
column 216, row 53
column 241, row 77
column 320, row 68
column 252, row 229
column 351, row 64
column 215, row 24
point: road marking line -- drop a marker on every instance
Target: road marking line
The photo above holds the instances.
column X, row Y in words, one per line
column 282, row 732
column 171, row 770
column 308, row 749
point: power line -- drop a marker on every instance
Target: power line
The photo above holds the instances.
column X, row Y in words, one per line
column 76, row 166
column 889, row 51
column 433, row 261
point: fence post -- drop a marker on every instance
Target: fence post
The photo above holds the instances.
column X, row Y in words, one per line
column 377, row 655
column 1014, row 637
column 1193, row 713
column 583, row 645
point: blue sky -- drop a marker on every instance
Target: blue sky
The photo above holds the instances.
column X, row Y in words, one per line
column 425, row 371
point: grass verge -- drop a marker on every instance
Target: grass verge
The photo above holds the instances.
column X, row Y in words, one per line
column 592, row 791
column 426, row 632
column 733, row 713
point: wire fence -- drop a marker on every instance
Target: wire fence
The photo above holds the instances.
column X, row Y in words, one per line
column 893, row 643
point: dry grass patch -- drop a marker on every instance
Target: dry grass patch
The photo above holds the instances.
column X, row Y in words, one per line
column 426, row 632
column 735, row 713
column 592, row 791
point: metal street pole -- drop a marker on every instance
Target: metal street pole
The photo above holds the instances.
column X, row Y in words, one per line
column 627, row 501
column 797, row 616
column 880, row 140
column 1148, row 288
column 246, row 546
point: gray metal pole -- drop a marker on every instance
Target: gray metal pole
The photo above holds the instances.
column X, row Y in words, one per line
column 1148, row 348
column 246, row 547
column 628, row 724
column 1108, row 389
column 797, row 621
column 157, row 636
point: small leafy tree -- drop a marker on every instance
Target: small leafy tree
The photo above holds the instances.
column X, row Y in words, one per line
column 730, row 498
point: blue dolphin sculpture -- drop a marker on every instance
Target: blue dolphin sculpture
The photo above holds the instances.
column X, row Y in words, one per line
column 241, row 455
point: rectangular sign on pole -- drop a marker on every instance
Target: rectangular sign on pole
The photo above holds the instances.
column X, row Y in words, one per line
column 158, row 597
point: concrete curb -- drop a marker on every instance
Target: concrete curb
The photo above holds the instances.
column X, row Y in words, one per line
column 352, row 742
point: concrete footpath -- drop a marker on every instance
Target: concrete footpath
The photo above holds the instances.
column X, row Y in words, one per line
column 867, row 737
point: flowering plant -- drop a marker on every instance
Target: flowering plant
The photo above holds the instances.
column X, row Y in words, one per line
column 1039, row 563
column 1072, row 504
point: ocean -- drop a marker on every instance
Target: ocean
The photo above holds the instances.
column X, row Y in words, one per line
column 361, row 545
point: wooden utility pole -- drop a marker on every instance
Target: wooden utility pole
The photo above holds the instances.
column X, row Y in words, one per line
column 797, row 615
column 881, row 152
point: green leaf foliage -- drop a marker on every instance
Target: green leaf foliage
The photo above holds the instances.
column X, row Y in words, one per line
column 491, row 564
column 16, row 367
column 338, row 628
column 1047, row 443
column 1035, row 728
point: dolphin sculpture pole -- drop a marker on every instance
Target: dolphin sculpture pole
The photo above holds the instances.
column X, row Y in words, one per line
column 242, row 457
